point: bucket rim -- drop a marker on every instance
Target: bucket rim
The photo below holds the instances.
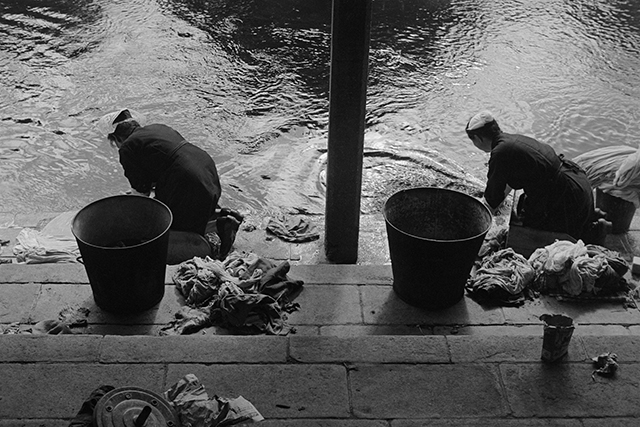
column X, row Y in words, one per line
column 117, row 196
column 427, row 239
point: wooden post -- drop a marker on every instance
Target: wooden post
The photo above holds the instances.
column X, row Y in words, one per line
column 350, row 35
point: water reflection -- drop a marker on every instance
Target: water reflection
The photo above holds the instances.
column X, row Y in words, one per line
column 248, row 81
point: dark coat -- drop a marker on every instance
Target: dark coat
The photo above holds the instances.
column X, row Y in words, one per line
column 185, row 176
column 558, row 196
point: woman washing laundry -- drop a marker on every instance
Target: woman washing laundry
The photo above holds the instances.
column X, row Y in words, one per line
column 557, row 194
column 156, row 158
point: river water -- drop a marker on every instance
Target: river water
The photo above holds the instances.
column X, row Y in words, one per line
column 248, row 81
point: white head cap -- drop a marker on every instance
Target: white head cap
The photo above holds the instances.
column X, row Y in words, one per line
column 479, row 120
column 106, row 123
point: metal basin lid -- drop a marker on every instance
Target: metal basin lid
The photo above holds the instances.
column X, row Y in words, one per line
column 134, row 407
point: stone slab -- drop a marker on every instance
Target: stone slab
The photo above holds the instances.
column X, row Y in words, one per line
column 49, row 348
column 370, row 349
column 426, row 391
column 581, row 312
column 34, row 423
column 54, row 298
column 57, row 390
column 327, row 305
column 610, row 422
column 322, row 423
column 493, row 422
column 361, row 330
column 43, row 273
column 343, row 274
column 567, row 390
column 627, row 348
column 194, row 349
column 470, row 349
column 276, row 390
column 17, row 301
column 381, row 305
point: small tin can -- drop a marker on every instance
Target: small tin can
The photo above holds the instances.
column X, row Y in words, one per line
column 558, row 330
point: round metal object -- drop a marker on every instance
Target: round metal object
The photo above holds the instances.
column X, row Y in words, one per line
column 134, row 407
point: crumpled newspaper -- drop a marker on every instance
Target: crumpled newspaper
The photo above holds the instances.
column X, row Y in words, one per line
column 195, row 409
column 607, row 364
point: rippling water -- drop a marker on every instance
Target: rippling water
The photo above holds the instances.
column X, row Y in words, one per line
column 248, row 81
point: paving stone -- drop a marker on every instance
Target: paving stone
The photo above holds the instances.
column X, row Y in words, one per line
column 381, row 305
column 125, row 330
column 327, row 304
column 47, row 348
column 54, row 298
column 370, row 349
column 277, row 391
column 601, row 330
column 567, row 390
column 305, row 330
column 360, row 330
column 194, row 349
column 343, row 274
column 493, row 422
column 34, row 423
column 465, row 349
column 610, row 422
column 626, row 347
column 322, row 423
column 634, row 330
column 425, row 391
column 62, row 387
column 581, row 312
column 16, row 301
column 488, row 330
column 43, row 273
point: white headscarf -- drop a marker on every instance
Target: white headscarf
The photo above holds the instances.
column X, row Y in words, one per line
column 105, row 123
column 479, row 120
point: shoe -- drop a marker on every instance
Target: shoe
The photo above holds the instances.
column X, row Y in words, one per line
column 227, row 229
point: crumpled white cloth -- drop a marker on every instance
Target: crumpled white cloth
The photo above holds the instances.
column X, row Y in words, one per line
column 614, row 170
column 576, row 267
column 557, row 257
column 34, row 247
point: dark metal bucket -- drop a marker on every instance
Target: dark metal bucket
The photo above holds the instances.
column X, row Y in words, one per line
column 619, row 211
column 434, row 237
column 123, row 242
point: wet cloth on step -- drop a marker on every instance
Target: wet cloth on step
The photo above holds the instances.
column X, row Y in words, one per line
column 294, row 229
column 54, row 243
column 578, row 270
column 501, row 279
column 245, row 293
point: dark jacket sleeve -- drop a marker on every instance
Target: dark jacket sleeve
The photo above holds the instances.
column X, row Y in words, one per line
column 497, row 178
column 139, row 179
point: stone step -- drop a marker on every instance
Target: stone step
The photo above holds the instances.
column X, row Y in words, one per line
column 396, row 381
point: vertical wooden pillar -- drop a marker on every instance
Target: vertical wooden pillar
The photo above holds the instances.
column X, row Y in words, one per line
column 350, row 35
